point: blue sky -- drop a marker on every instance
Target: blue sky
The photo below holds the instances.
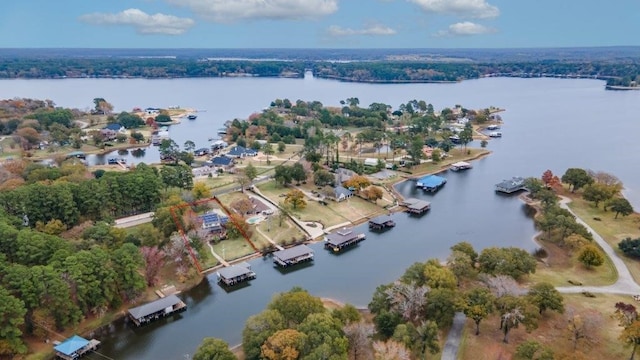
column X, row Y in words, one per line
column 318, row 23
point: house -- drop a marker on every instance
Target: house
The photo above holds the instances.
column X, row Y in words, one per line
column 201, row 152
column 213, row 221
column 205, row 170
column 241, row 152
column 110, row 131
column 343, row 175
column 152, row 111
column 258, row 206
column 341, row 193
column 221, row 162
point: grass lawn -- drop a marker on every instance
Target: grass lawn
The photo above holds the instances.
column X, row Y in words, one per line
column 552, row 331
column 559, row 268
column 612, row 230
column 232, row 249
column 281, row 235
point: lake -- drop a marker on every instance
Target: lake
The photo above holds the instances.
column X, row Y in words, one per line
column 549, row 124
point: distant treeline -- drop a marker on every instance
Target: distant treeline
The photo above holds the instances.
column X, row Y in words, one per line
column 615, row 72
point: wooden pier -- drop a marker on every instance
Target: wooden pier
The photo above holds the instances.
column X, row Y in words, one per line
column 235, row 274
column 416, row 206
column 381, row 222
column 341, row 239
column 75, row 347
column 511, row 186
column 156, row 310
column 293, row 256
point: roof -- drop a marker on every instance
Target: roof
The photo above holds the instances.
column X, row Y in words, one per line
column 513, row 183
column 221, row 160
column 235, row 271
column 214, row 218
column 239, row 150
column 380, row 220
column 71, row 345
column 258, row 205
column 343, row 235
column 341, row 190
column 293, row 252
column 206, row 150
column 416, row 204
column 431, row 181
column 461, row 164
column 114, row 127
column 154, row 306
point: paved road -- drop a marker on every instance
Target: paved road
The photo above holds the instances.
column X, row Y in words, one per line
column 450, row 351
column 134, row 220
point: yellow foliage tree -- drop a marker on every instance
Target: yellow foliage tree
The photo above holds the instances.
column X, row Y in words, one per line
column 283, row 345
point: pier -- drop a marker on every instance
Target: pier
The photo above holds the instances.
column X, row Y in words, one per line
column 292, row 256
column 75, row 347
column 511, row 186
column 460, row 165
column 381, row 222
column 341, row 239
column 416, row 206
column 235, row 274
column 431, row 183
column 156, row 310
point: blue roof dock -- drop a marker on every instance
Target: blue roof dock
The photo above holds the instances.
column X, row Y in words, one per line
column 431, row 182
column 74, row 347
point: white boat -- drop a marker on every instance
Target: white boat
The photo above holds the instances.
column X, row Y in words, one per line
column 493, row 127
column 495, row 134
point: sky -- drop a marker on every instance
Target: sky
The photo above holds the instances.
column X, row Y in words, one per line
column 318, row 23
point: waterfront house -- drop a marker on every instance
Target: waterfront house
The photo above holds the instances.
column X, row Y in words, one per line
column 293, row 256
column 241, row 152
column 205, row 170
column 222, row 162
column 341, row 193
column 155, row 310
column 75, row 347
column 110, row 131
column 213, row 221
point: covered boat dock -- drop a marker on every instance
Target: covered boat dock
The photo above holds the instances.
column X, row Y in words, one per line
column 342, row 238
column 381, row 222
column 156, row 310
column 431, row 183
column 75, row 347
column 293, row 255
column 236, row 274
column 460, row 165
column 416, row 206
column 511, row 186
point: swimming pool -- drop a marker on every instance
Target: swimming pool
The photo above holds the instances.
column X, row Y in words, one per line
column 255, row 219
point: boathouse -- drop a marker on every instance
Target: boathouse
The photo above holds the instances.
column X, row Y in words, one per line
column 342, row 238
column 511, row 186
column 431, row 183
column 75, row 347
column 156, row 310
column 416, row 206
column 381, row 222
column 293, row 255
column 460, row 165
column 236, row 274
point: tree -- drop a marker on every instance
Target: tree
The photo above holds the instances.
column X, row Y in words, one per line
column 200, row 190
column 325, row 337
column 189, row 146
column 257, row 329
column 168, row 150
column 281, row 147
column 510, row 320
column 213, row 349
column 357, row 182
column 372, row 193
column 390, row 350
column 359, row 335
column 591, row 256
column 13, row 312
column 102, row 106
column 154, row 260
column 549, row 180
column 295, row 305
column 506, row 261
column 295, row 198
column 127, row 260
column 323, row 177
column 438, row 276
column 466, row 135
column 267, row 149
column 347, row 314
column 620, row 206
column 298, row 173
column 630, row 247
column 533, row 350
column 407, row 300
column 545, row 296
column 283, row 345
column 631, row 335
column 415, row 150
column 597, row 193
column 466, row 248
column 583, row 326
column 479, row 304
column 576, row 178
column 250, row 172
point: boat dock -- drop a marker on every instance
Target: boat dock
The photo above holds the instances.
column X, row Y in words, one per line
column 431, row 183
column 75, row 347
column 381, row 222
column 460, row 165
column 235, row 274
column 416, row 206
column 342, row 238
column 292, row 256
column 156, row 310
column 511, row 186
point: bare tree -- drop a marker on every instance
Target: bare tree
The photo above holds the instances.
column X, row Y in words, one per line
column 502, row 285
column 390, row 350
column 359, row 335
column 510, row 320
column 408, row 300
column 583, row 326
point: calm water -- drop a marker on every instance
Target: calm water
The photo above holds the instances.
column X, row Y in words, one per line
column 549, row 124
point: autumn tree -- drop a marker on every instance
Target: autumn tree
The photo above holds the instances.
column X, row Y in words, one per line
column 631, row 335
column 154, row 260
column 479, row 304
column 200, row 190
column 549, row 179
column 372, row 193
column 591, row 256
column 257, row 329
column 295, row 198
column 357, row 182
column 213, row 349
column 545, row 296
column 583, row 327
column 285, row 344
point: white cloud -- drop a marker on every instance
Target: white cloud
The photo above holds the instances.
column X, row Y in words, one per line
column 465, row 28
column 232, row 10
column 463, row 8
column 143, row 23
column 370, row 30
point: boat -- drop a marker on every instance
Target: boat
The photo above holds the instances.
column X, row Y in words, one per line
column 116, row 161
column 495, row 134
column 222, row 131
column 493, row 127
column 192, row 117
column 454, row 139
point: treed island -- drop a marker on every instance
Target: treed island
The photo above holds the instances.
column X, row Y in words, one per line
column 72, row 260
